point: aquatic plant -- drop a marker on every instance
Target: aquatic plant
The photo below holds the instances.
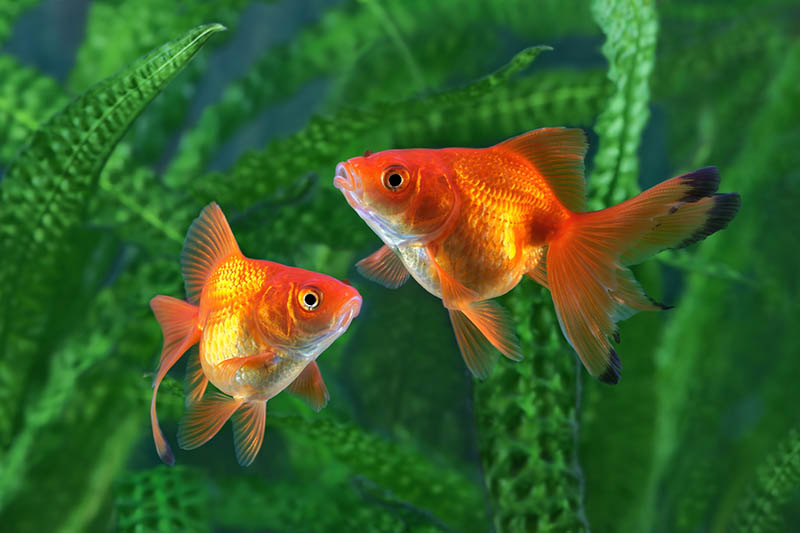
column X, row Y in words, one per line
column 105, row 168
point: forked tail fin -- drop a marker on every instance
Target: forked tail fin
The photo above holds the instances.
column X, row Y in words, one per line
column 587, row 260
column 178, row 321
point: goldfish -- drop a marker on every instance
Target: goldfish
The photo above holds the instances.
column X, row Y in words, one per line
column 260, row 327
column 469, row 223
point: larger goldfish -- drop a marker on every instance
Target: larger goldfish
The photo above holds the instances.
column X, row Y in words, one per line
column 467, row 224
column 260, row 326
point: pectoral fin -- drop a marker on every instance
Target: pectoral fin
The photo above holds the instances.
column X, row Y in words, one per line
column 227, row 369
column 248, row 430
column 310, row 387
column 455, row 294
column 384, row 267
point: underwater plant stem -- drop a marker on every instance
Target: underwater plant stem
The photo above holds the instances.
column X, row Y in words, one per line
column 526, row 414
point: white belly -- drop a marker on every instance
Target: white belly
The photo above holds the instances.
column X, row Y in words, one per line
column 420, row 266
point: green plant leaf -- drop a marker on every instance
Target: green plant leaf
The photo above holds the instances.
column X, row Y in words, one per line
column 44, row 196
column 408, row 476
column 27, row 98
column 778, row 479
column 631, row 28
column 50, row 181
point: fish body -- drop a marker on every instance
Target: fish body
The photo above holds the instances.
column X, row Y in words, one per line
column 259, row 326
column 468, row 223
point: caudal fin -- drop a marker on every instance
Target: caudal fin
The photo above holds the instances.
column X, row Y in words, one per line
column 178, row 321
column 586, row 264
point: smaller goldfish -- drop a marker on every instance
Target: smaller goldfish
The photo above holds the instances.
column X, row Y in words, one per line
column 468, row 223
column 260, row 326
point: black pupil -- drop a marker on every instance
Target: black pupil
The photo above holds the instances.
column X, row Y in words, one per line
column 310, row 300
column 395, row 180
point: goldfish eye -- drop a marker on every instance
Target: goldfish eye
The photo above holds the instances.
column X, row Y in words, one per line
column 309, row 299
column 395, row 178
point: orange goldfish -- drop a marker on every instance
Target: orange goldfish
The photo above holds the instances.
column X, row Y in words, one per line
column 260, row 326
column 467, row 224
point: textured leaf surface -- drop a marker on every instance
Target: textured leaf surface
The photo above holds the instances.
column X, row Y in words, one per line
column 48, row 186
column 27, row 99
column 631, row 28
column 49, row 183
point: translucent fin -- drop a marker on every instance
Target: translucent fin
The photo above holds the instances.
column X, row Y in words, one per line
column 581, row 278
column 477, row 351
column 248, row 430
column 384, row 267
column 226, row 370
column 495, row 324
column 310, row 387
column 204, row 418
column 672, row 214
column 455, row 294
column 196, row 380
column 539, row 272
column 208, row 241
column 557, row 154
column 178, row 321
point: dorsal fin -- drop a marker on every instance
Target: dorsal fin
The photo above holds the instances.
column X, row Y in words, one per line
column 208, row 241
column 557, row 153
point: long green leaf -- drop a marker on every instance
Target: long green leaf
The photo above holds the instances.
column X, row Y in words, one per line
column 43, row 198
column 45, row 190
column 27, row 99
column 631, row 27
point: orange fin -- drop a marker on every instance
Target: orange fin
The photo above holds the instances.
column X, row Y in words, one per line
column 178, row 321
column 204, row 418
column 586, row 263
column 208, row 241
column 676, row 213
column 385, row 267
column 227, row 369
column 539, row 272
column 248, row 430
column 557, row 154
column 455, row 294
column 477, row 351
column 495, row 324
column 582, row 278
column 310, row 387
column 196, row 380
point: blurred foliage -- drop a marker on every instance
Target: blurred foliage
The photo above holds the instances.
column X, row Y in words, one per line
column 95, row 208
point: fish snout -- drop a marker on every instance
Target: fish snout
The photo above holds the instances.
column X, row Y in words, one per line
column 343, row 180
column 353, row 305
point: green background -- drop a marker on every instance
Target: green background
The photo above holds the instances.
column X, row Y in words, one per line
column 700, row 434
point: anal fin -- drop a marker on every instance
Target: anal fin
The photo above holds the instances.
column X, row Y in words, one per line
column 384, row 267
column 478, row 353
column 248, row 430
column 310, row 386
column 495, row 324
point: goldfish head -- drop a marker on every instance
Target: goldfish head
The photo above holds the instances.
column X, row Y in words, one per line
column 405, row 196
column 301, row 312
